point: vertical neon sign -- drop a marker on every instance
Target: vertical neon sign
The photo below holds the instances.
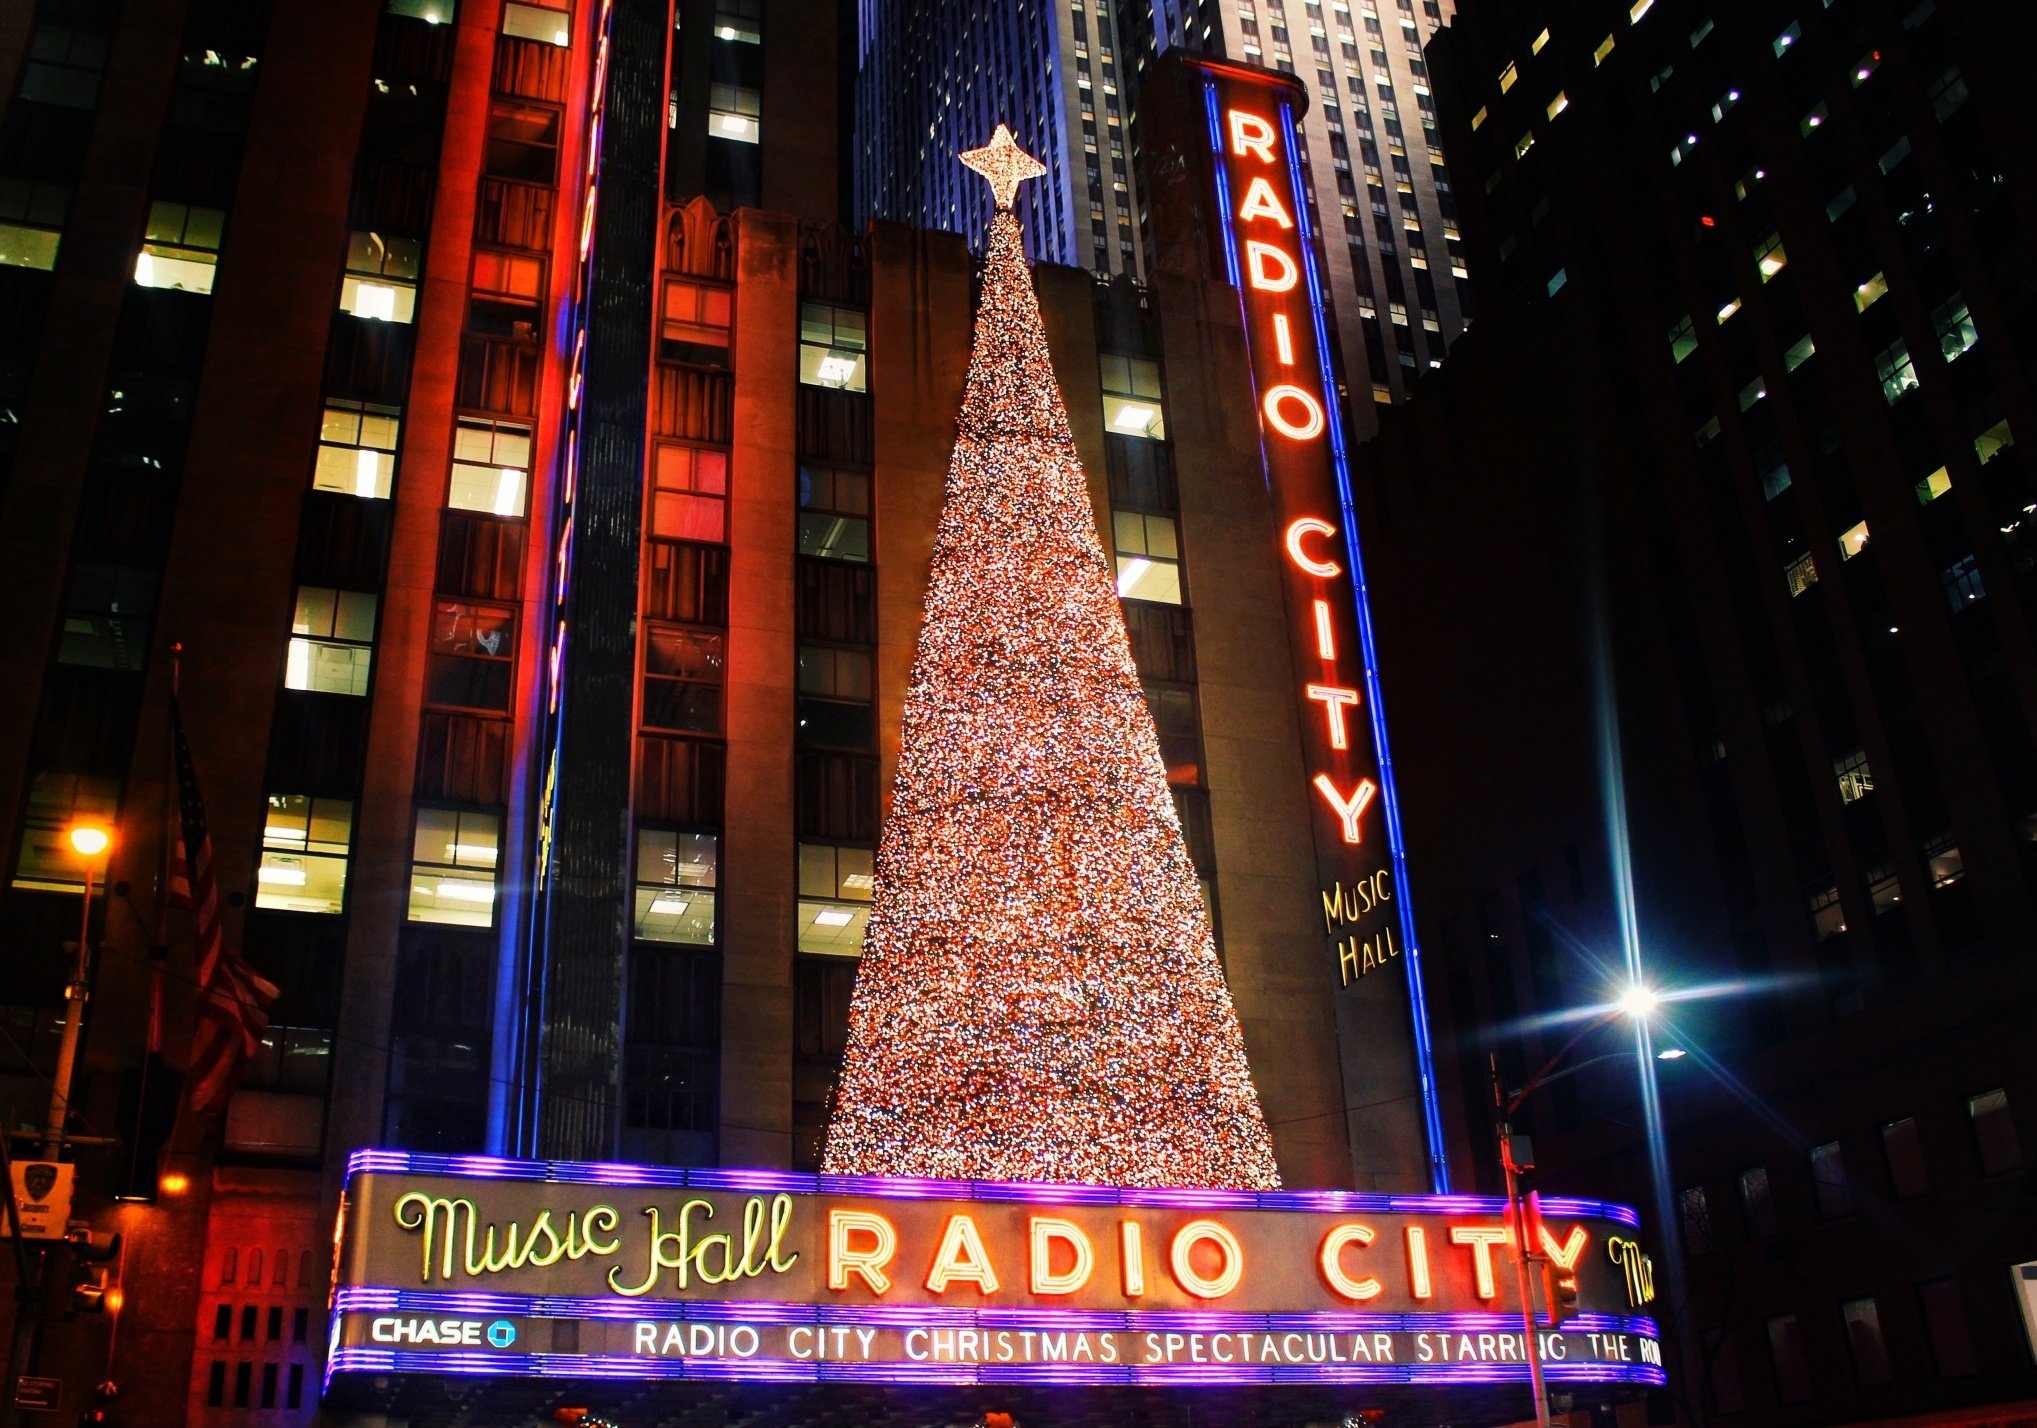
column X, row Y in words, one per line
column 1269, row 257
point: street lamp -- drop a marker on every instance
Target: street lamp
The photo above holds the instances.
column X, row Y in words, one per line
column 1637, row 1003
column 89, row 841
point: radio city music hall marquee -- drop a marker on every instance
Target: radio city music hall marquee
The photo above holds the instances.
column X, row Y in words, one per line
column 472, row 1265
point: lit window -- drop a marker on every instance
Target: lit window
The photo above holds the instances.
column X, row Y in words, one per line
column 356, row 449
column 1995, row 440
column 1800, row 574
column 1813, row 120
column 836, row 885
column 696, row 326
column 1894, row 154
column 1748, row 182
column 1478, row 118
column 381, row 278
column 1775, row 480
column 1941, row 857
column 56, row 801
column 1753, row 392
column 1757, row 1202
column 834, row 709
column 1541, row 40
column 834, row 344
column 180, row 248
column 1828, row 918
column 1558, row 104
column 1726, row 310
column 1788, row 37
column 1994, row 1132
column 1769, row 256
column 1508, row 77
column 1933, row 486
column 1598, row 56
column 1554, row 285
column 677, row 877
column 689, row 490
column 1131, row 396
column 1638, row 9
column 491, row 466
column 472, row 656
column 1705, row 433
column 507, row 298
column 1903, row 1148
column 1799, row 352
column 1829, row 1179
column 1954, row 325
column 537, row 22
column 1148, row 557
column 1724, row 106
column 1682, row 339
column 1841, row 201
column 1853, row 542
column 1869, row 293
column 452, row 870
column 1962, row 583
column 732, row 113
column 1898, row 374
column 332, row 641
column 1702, row 33
column 304, row 854
column 683, row 671
column 739, row 21
column 834, row 513
column 432, row 12
column 1523, row 144
column 31, row 222
column 1865, row 66
column 1856, row 780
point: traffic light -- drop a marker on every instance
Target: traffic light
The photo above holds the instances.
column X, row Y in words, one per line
column 88, row 1244
column 94, row 1418
column 92, row 1290
column 1562, row 1288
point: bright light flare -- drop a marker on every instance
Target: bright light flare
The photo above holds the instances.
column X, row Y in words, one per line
column 89, row 840
column 1639, row 1002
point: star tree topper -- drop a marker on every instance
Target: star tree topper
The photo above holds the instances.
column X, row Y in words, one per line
column 1005, row 164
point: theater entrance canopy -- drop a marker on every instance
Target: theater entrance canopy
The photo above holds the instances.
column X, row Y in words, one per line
column 623, row 1284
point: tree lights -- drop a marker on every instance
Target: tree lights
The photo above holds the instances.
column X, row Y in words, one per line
column 1040, row 997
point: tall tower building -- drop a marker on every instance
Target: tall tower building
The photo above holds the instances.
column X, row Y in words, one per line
column 931, row 75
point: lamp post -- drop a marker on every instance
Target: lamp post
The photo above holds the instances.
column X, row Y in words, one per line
column 1637, row 1002
column 90, row 842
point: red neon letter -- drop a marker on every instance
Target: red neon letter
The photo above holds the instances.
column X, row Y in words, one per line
column 1481, row 1238
column 1334, row 701
column 1566, row 1255
column 1351, row 810
column 869, row 1263
column 1419, row 1284
column 1308, row 526
column 1251, row 135
column 1186, row 1239
column 1326, row 643
column 1268, row 268
column 1046, row 1233
column 1262, row 202
column 962, row 1256
column 1283, row 339
column 1333, row 1271
column 1311, row 423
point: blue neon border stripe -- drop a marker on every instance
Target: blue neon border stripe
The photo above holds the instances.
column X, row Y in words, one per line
column 898, row 1187
column 1418, row 1002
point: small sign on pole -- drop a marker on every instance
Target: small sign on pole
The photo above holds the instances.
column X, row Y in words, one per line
column 37, row 1395
column 42, row 1190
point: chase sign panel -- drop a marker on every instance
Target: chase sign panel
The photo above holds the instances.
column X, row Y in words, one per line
column 471, row 1265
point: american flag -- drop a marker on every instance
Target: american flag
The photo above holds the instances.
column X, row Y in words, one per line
column 233, row 998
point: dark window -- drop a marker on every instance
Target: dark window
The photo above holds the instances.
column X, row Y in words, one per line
column 1945, row 1325
column 1757, row 1204
column 1829, row 1179
column 1786, row 1354
column 1722, row 1372
column 294, row 1396
column 1904, row 1150
column 523, row 142
column 1862, row 1318
column 683, row 671
column 1697, row 1220
column 1994, row 1132
column 215, row 1384
column 473, row 650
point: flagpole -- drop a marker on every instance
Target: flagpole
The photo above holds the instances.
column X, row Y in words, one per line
column 159, row 935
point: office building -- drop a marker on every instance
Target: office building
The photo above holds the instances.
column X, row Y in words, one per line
column 535, row 534
column 1068, row 77
column 1717, row 525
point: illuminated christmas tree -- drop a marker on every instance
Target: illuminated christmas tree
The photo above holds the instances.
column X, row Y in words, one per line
column 1040, row 996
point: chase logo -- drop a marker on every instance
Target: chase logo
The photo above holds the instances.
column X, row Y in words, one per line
column 501, row 1333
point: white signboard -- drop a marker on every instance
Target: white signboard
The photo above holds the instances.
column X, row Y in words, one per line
column 42, row 1188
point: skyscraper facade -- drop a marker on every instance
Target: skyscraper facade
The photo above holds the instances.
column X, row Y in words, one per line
column 476, row 418
column 1392, row 257
column 1718, row 523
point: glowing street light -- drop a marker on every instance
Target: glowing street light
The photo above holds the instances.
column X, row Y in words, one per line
column 89, row 840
